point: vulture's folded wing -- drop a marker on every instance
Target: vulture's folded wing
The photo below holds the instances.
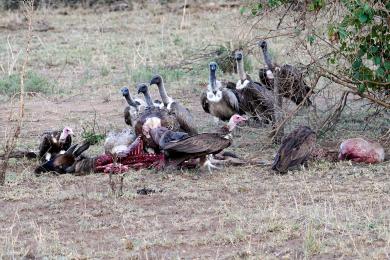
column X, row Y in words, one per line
column 201, row 143
column 204, row 102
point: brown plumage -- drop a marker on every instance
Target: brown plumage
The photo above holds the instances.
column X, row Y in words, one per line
column 63, row 163
column 292, row 83
column 254, row 98
column 54, row 142
column 295, row 149
column 219, row 101
column 175, row 108
column 152, row 117
column 179, row 148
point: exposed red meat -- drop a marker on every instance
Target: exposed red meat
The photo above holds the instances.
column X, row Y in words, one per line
column 361, row 150
column 135, row 159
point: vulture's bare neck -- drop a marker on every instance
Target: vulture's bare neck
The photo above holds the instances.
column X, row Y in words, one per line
column 241, row 70
column 267, row 58
column 213, row 80
column 148, row 99
column 130, row 101
column 163, row 93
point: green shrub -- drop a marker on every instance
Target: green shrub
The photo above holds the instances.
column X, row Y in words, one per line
column 10, row 85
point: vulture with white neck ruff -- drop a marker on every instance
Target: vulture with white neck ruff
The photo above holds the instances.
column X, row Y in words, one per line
column 255, row 99
column 291, row 81
column 180, row 147
column 219, row 101
column 182, row 114
column 136, row 106
column 152, row 117
column 54, row 142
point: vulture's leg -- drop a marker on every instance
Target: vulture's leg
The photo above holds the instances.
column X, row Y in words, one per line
column 111, row 182
column 206, row 163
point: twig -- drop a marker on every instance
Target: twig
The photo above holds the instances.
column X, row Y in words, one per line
column 12, row 140
column 284, row 15
column 330, row 122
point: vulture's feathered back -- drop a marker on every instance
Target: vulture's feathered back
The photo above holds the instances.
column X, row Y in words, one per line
column 180, row 147
column 295, row 149
column 175, row 108
column 292, row 83
column 255, row 99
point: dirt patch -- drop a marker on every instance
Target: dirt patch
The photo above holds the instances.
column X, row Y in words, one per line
column 328, row 210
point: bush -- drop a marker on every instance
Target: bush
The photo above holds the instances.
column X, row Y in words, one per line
column 10, row 85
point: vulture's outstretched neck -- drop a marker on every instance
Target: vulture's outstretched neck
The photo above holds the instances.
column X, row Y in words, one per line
column 240, row 69
column 267, row 58
column 148, row 99
column 213, row 80
column 130, row 101
column 163, row 93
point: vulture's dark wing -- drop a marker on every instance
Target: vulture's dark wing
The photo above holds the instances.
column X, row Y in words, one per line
column 184, row 118
column 230, row 85
column 204, row 102
column 127, row 116
column 207, row 143
column 265, row 80
column 47, row 143
column 231, row 99
column 68, row 142
column 295, row 148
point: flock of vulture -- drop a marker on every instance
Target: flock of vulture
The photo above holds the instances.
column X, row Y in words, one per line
column 163, row 134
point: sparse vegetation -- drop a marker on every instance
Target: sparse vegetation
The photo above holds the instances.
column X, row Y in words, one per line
column 10, row 85
column 326, row 210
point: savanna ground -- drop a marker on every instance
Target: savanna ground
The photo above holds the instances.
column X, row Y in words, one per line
column 329, row 210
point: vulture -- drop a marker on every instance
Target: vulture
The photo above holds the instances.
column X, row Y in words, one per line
column 131, row 111
column 118, row 143
column 291, row 79
column 182, row 114
column 63, row 163
column 295, row 149
column 136, row 106
column 255, row 99
column 221, row 102
column 54, row 142
column 180, row 147
column 152, row 117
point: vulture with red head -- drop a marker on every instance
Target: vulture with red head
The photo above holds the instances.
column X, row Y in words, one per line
column 179, row 147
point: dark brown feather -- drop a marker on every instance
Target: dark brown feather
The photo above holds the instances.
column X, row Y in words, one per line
column 295, row 149
column 292, row 83
column 47, row 145
column 256, row 100
column 196, row 147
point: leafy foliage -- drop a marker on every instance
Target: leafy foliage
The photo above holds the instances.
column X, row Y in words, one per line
column 362, row 37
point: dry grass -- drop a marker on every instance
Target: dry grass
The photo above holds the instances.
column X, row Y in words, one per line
column 326, row 211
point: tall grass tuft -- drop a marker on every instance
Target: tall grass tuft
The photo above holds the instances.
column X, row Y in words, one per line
column 10, row 85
